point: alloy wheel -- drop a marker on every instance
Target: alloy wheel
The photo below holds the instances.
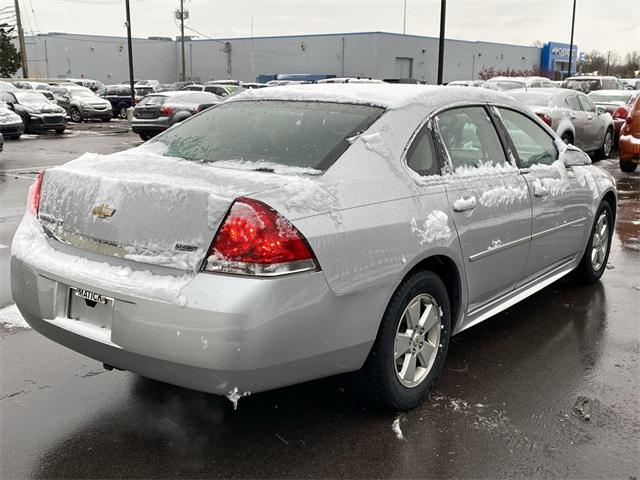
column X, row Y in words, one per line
column 417, row 340
column 608, row 144
column 600, row 242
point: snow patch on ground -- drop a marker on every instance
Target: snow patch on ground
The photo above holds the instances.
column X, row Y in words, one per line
column 395, row 427
column 435, row 228
column 234, row 397
column 11, row 319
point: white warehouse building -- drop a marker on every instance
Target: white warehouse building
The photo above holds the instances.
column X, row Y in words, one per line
column 373, row 54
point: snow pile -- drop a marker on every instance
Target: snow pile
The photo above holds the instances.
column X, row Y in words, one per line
column 11, row 319
column 435, row 228
column 497, row 243
column 31, row 246
column 464, row 203
column 504, row 195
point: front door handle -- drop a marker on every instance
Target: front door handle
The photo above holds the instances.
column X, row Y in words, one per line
column 464, row 204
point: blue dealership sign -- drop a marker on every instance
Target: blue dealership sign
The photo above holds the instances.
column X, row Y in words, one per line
column 555, row 57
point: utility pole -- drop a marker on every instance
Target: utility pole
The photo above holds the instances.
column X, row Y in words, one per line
column 23, row 50
column 573, row 22
column 443, row 15
column 404, row 19
column 182, row 38
column 130, row 50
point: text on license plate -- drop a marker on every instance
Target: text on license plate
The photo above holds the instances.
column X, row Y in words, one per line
column 88, row 295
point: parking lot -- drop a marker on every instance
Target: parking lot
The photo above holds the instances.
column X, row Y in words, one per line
column 547, row 388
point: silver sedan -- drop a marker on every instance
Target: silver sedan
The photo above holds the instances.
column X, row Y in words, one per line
column 574, row 117
column 293, row 233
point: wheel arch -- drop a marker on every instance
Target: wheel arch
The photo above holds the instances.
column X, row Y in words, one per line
column 447, row 269
column 610, row 198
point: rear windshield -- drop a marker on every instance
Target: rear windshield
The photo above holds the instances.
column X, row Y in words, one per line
column 582, row 84
column 152, row 100
column 503, row 85
column 533, row 99
column 292, row 133
column 611, row 97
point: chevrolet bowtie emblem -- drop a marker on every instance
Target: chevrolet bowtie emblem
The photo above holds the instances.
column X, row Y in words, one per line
column 103, row 211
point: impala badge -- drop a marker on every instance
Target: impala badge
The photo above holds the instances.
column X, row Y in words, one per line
column 103, row 211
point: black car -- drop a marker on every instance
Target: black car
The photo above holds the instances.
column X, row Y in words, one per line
column 119, row 96
column 37, row 112
column 1, row 142
column 158, row 111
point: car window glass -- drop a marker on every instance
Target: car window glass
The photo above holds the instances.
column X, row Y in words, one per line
column 587, row 105
column 470, row 138
column 532, row 143
column 210, row 89
column 6, row 97
column 421, row 156
column 573, row 103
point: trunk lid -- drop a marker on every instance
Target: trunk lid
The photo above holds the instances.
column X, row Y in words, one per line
column 143, row 206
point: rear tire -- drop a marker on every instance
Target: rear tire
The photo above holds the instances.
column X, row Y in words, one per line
column 627, row 166
column 567, row 138
column 607, row 144
column 145, row 136
column 595, row 257
column 387, row 376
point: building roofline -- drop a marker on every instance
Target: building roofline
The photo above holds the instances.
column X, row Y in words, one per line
column 264, row 37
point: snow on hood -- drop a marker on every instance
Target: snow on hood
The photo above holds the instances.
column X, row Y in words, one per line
column 391, row 96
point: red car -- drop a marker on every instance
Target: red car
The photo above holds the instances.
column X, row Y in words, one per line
column 617, row 102
column 629, row 144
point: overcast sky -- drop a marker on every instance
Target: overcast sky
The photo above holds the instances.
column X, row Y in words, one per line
column 600, row 24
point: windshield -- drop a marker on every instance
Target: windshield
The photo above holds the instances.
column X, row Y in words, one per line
column 76, row 93
column 292, row 133
column 503, row 85
column 611, row 97
column 29, row 98
column 533, row 99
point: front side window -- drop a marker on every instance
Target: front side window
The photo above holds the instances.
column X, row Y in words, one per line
column 532, row 143
column 421, row 156
column 470, row 138
column 293, row 133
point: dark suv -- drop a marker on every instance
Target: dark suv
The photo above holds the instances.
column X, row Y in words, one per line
column 119, row 96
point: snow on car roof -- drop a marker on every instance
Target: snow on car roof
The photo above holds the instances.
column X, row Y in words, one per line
column 391, row 96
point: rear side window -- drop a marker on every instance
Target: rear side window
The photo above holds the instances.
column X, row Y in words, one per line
column 470, row 138
column 532, row 143
column 421, row 156
column 587, row 105
column 572, row 103
column 293, row 133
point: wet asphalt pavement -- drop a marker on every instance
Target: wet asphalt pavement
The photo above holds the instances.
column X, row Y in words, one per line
column 549, row 388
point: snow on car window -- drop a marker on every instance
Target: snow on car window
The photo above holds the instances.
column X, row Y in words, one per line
column 293, row 133
column 534, row 98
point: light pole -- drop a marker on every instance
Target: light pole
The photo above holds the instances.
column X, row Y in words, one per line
column 573, row 22
column 23, row 50
column 182, row 38
column 443, row 14
column 473, row 65
column 130, row 51
column 404, row 19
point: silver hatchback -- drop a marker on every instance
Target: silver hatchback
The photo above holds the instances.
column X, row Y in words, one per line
column 298, row 232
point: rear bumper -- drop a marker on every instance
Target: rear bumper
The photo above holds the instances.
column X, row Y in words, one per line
column 11, row 129
column 629, row 148
column 155, row 125
column 233, row 332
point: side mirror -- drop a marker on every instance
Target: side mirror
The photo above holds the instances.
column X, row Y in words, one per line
column 11, row 105
column 601, row 110
column 574, row 157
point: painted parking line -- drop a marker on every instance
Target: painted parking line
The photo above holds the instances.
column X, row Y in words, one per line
column 3, row 246
column 20, row 175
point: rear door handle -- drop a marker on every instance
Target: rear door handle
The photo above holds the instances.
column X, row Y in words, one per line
column 464, row 204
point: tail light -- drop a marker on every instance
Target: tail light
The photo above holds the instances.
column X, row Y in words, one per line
column 166, row 111
column 33, row 197
column 627, row 128
column 545, row 118
column 620, row 113
column 254, row 239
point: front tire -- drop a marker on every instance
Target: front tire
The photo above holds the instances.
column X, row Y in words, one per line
column 75, row 115
column 409, row 352
column 607, row 144
column 60, row 130
column 595, row 257
column 122, row 112
column 627, row 166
